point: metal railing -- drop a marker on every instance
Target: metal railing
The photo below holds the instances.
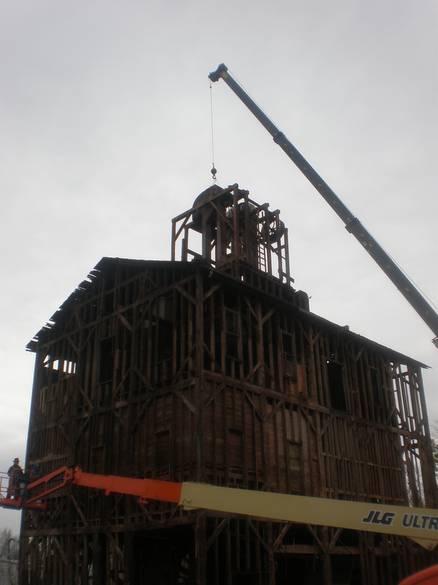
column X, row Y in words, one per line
column 4, row 483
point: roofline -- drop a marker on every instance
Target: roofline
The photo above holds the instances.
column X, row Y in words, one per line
column 83, row 287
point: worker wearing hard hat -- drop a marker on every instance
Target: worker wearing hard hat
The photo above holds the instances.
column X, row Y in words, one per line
column 15, row 473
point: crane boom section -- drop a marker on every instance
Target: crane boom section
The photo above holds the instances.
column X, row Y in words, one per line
column 352, row 223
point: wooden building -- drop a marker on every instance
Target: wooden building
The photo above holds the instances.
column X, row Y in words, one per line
column 210, row 367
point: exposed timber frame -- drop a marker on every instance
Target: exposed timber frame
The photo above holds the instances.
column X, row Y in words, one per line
column 217, row 373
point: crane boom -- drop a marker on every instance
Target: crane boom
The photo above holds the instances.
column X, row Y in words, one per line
column 352, row 223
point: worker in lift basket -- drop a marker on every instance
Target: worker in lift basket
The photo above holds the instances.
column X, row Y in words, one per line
column 15, row 473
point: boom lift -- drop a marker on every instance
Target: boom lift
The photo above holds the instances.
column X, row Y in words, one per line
column 352, row 223
column 419, row 524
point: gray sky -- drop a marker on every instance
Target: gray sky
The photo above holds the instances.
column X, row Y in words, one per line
column 105, row 135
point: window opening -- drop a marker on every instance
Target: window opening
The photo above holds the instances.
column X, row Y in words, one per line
column 336, row 385
column 376, row 387
column 60, row 365
column 106, row 361
column 235, row 448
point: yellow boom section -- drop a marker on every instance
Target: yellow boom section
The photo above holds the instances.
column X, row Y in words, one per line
column 419, row 524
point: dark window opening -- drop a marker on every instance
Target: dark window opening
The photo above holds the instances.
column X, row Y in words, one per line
column 108, row 303
column 231, row 321
column 376, row 387
column 231, row 298
column 106, row 361
column 235, row 448
column 165, row 340
column 232, row 346
column 336, row 385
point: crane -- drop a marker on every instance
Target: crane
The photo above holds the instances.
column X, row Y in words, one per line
column 352, row 223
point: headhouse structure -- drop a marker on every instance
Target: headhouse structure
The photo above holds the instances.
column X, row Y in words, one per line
column 210, row 367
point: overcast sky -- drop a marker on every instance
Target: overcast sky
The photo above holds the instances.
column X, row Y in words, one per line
column 105, row 136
